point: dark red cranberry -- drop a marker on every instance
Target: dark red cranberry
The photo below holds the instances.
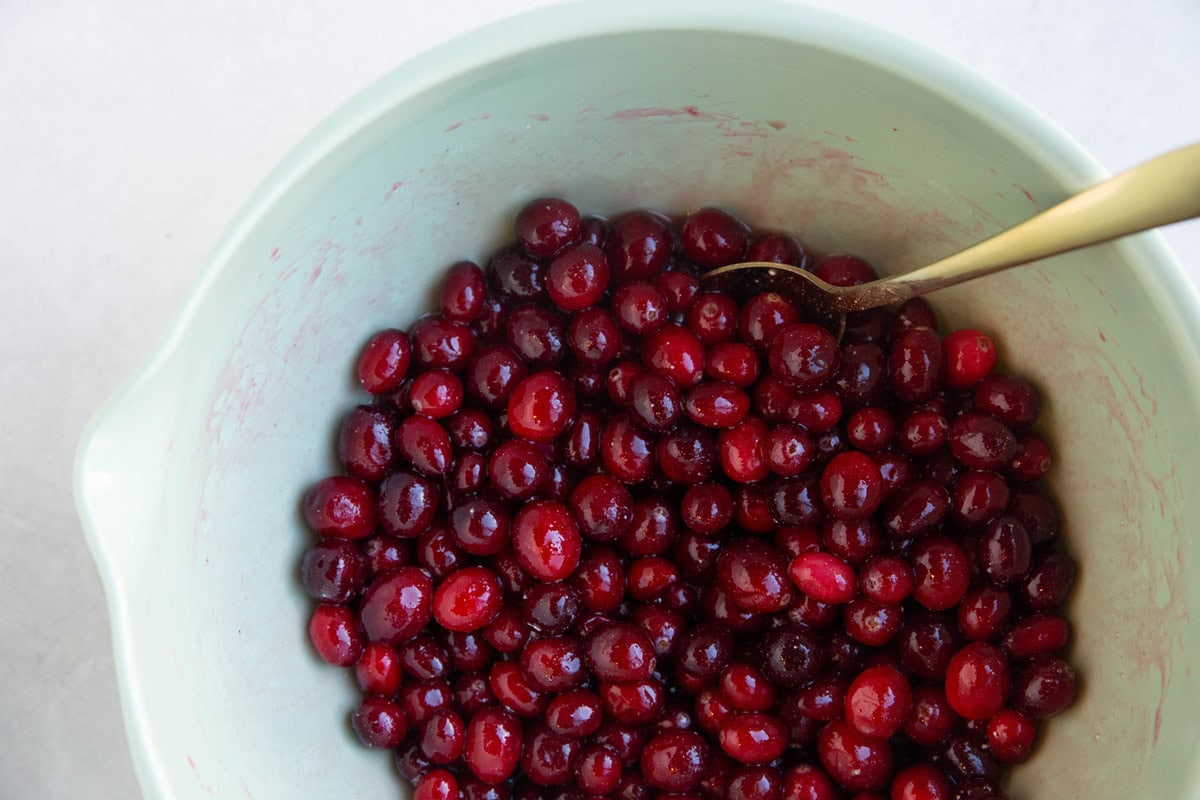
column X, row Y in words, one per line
column 554, row 664
column 1032, row 459
column 941, row 570
column 1049, row 582
column 860, row 377
column 872, row 623
column 845, row 270
column 471, row 430
column 593, row 230
column 384, row 361
column 777, row 248
column 516, row 276
column 871, row 429
column 817, row 411
column 713, row 238
column 599, row 770
column 547, row 225
column 886, row 579
column 680, row 288
column 1044, row 688
column 437, row 551
column 916, row 312
column 594, row 337
column 492, row 375
column 717, row 405
column 638, row 247
column 969, row 758
column 334, row 632
column 625, row 450
column 807, row 782
column 754, row 574
column 537, row 335
column 1036, row 513
column 926, row 645
column 493, row 744
column 341, row 507
column 675, row 761
column 546, row 540
column 791, row 655
column 634, row 703
column 471, row 788
column 978, row 681
column 576, row 714
column 762, row 316
column 398, row 606
column 517, row 469
column 379, row 723
column 627, row 741
column 552, row 608
column 981, row 442
column 1011, row 735
column 649, row 577
column 489, row 325
column 854, row 761
column 603, row 507
column 507, row 633
column 463, row 292
column 424, row 444
column 1040, row 634
column 707, row 508
column 365, row 443
column 931, row 718
column 578, row 277
column 878, row 702
column 469, row 651
column 639, row 308
column 916, row 508
column 333, row 571
column 443, row 737
column 620, row 653
column 1004, row 551
column 441, row 343
column 421, row 701
column 1012, row 400
column 653, row 530
column 705, row 649
column 978, row 497
column 796, row 501
column 513, row 690
column 582, row 445
column 713, row 318
column 984, row 613
column 915, row 366
column 733, row 362
column 481, row 526
column 804, row 355
column 922, row 782
column 541, row 406
column 410, row 762
column 922, row 433
column 654, row 402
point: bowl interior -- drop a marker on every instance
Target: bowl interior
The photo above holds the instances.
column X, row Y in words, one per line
column 192, row 480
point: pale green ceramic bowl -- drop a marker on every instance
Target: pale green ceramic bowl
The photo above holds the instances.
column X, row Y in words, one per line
column 188, row 480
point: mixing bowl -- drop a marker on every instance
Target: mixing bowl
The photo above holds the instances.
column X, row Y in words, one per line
column 188, row 481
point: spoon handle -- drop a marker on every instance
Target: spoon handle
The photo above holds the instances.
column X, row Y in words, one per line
column 1161, row 191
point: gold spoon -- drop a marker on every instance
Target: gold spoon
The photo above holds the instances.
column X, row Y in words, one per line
column 1158, row 192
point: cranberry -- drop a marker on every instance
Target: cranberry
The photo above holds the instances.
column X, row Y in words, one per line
column 717, row 405
column 378, row 722
column 922, row 433
column 365, row 443
column 517, row 469
column 886, row 579
column 916, row 508
column 384, row 361
column 922, row 782
column 804, row 355
column 872, row 623
column 713, row 238
column 1004, row 550
column 981, row 442
column 931, row 718
column 341, row 507
column 638, row 247
column 541, row 406
column 674, row 351
column 424, row 444
column 713, row 318
column 1044, row 688
column 926, row 645
column 777, row 248
column 978, row 681
column 442, row 737
column 546, row 540
column 762, row 316
column 536, row 334
column 969, row 757
column 654, row 402
column 824, row 577
column 467, row 600
column 628, row 742
column 816, row 411
column 603, row 507
column 878, row 702
column 742, row 451
column 437, row 552
column 916, row 312
column 599, row 770
column 493, row 744
column 626, row 452
column 1032, row 459
column 941, row 570
column 653, row 530
column 594, row 337
column 860, row 377
column 984, row 613
column 421, row 701
column 620, row 653
column 732, row 362
column 547, row 225
column 675, row 761
column 578, row 277
column 441, row 343
column 437, row 784
column 791, row 655
column 651, row 576
column 753, row 738
column 851, row 486
column 470, row 429
column 335, row 634
column 423, row 658
column 796, row 501
column 978, row 497
column 845, row 270
column 808, row 782
column 1049, row 582
column 639, row 308
column 410, row 762
column 680, row 288
column 706, row 508
column 915, row 365
column 855, row 761
column 397, row 607
column 1012, row 400
column 635, row 703
column 492, row 375
column 1011, row 735
column 333, row 571
column 469, row 651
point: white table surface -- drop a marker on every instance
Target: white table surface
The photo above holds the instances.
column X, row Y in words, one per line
column 130, row 133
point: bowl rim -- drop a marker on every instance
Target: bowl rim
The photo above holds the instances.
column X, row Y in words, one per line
column 797, row 24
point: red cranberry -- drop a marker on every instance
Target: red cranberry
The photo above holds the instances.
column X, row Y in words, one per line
column 341, row 507
column 984, row 613
column 437, row 784
column 537, row 335
column 680, row 288
column 1044, row 688
column 441, row 343
column 620, row 653
column 398, row 606
column 756, row 783
column 513, row 689
column 981, row 442
column 365, row 443
column 424, row 444
column 507, row 632
column 421, row 701
column 717, row 405
column 546, row 540
column 713, row 318
column 1012, row 400
column 872, row 623
column 845, row 270
column 675, row 761
column 379, row 723
column 1004, row 550
column 777, row 248
column 916, row 508
column 855, row 761
column 791, row 655
column 423, row 658
column 824, row 577
column 922, row 433
column 931, row 719
column 762, row 316
column 334, row 632
column 742, row 451
column 437, row 552
column 851, row 486
column 970, row 357
column 1011, row 735
column 493, row 744
column 599, row 770
column 636, row 703
column 651, row 576
column 627, row 741
column 878, row 702
column 978, row 497
column 707, row 508
column 463, row 292
column 978, row 681
column 732, row 362
column 378, row 671
column 886, row 579
column 517, row 469
column 333, row 571
column 549, row 759
column 713, row 238
column 627, row 452
column 639, row 307
column 753, row 738
column 674, row 351
column 443, row 737
column 808, row 782
column 871, row 429
column 594, row 337
column 492, row 375
column 818, row 412
column 547, row 225
column 804, row 355
column 481, row 526
column 603, row 507
column 942, row 572
column 541, row 406
column 789, row 450
column 553, row 664
column 654, row 402
column 638, row 247
column 915, row 366
column 410, row 762
column 745, row 688
column 471, row 788
column 922, row 782
column 754, row 575
column 578, row 277
column 384, row 362
column 468, row 599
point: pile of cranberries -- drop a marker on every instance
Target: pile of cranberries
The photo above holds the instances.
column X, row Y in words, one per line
column 606, row 533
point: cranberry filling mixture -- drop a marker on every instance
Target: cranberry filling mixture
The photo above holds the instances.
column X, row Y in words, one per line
column 605, row 532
